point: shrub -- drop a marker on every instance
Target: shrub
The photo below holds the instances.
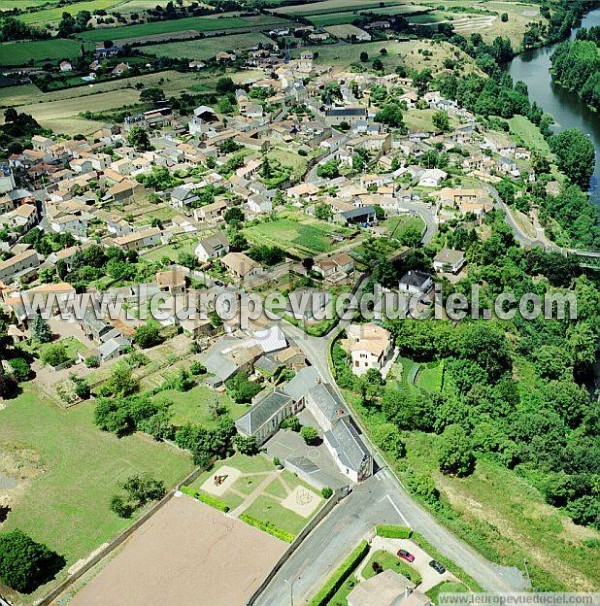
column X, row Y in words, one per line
column 292, row 423
column 337, row 579
column 196, row 368
column 388, row 531
column 20, row 368
column 310, row 434
column 212, row 501
column 92, row 362
column 268, row 527
column 326, row 493
column 121, row 506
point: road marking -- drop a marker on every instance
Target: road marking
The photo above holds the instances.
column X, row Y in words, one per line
column 397, row 510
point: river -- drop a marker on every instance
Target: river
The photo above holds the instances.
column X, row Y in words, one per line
column 533, row 68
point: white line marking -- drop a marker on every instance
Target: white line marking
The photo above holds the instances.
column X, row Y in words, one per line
column 397, row 510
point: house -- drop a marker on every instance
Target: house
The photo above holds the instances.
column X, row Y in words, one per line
column 210, row 212
column 213, row 246
column 70, row 224
column 266, row 415
column 365, row 215
column 113, row 348
column 387, row 589
column 120, row 69
column 303, row 190
column 24, row 217
column 185, row 195
column 369, row 345
column 415, row 282
column 172, row 281
column 18, row 264
column 340, row 435
column 240, row 265
column 432, row 177
column 449, row 260
column 139, row 239
column 334, row 265
column 65, row 66
column 351, row 115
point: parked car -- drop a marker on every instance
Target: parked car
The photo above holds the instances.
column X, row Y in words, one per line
column 406, row 555
column 437, row 566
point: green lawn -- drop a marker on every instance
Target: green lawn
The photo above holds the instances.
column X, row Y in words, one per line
column 199, row 24
column 410, row 376
column 389, row 560
column 529, row 133
column 194, row 406
column 445, row 587
column 72, row 344
column 269, row 510
column 21, row 53
column 67, row 506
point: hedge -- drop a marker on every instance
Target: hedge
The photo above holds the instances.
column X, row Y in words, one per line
column 206, row 499
column 269, row 527
column 339, row 577
column 393, row 532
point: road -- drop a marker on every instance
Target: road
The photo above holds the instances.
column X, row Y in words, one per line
column 381, row 499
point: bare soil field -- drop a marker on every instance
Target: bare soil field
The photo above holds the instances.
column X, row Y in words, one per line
column 188, row 553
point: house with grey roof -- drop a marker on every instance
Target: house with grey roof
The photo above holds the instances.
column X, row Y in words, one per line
column 265, row 417
column 340, row 435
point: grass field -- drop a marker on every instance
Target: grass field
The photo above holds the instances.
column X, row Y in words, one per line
column 67, row 506
column 21, row 53
column 343, row 31
column 194, row 406
column 404, row 53
column 207, row 48
column 8, row 5
column 504, row 517
column 529, row 133
column 55, row 14
column 331, row 6
column 333, row 19
column 407, row 375
column 199, row 24
column 306, row 236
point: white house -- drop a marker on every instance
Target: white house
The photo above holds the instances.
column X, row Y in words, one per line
column 369, row 345
column 213, row 246
column 432, row 177
column 415, row 282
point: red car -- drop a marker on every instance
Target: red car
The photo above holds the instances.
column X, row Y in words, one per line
column 406, row 555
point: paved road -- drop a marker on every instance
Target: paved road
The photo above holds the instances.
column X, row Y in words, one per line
column 350, row 527
column 426, row 212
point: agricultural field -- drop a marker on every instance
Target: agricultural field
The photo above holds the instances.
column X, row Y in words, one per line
column 333, row 19
column 484, row 17
column 304, row 235
column 344, row 31
column 407, row 53
column 60, row 110
column 8, row 5
column 53, row 15
column 202, row 49
column 65, row 503
column 37, row 52
column 199, row 24
column 332, row 6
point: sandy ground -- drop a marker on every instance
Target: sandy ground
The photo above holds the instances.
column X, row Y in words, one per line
column 188, row 553
column 231, row 473
column 302, row 501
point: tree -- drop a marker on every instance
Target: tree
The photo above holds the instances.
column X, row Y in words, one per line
column 323, row 212
column 121, row 506
column 25, row 564
column 21, row 369
column 390, row 114
column 138, row 138
column 144, row 488
column 364, row 57
column 241, row 389
column 456, row 452
column 575, row 155
column 377, row 65
column 55, row 355
column 225, row 85
column 40, row 330
column 440, row 121
column 234, row 216
column 309, row 434
column 329, row 169
column 147, row 335
column 246, row 445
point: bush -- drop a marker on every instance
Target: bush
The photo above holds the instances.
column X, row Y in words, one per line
column 196, row 368
column 212, row 501
column 20, row 368
column 310, row 434
column 121, row 506
column 268, row 527
column 55, row 355
column 326, row 493
column 92, row 362
column 337, row 579
column 292, row 423
column 388, row 531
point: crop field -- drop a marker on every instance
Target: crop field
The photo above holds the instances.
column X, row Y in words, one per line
column 344, row 31
column 307, row 236
column 21, row 53
column 199, row 24
column 66, row 505
column 331, row 6
column 206, row 48
column 8, row 5
column 333, row 19
column 50, row 15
